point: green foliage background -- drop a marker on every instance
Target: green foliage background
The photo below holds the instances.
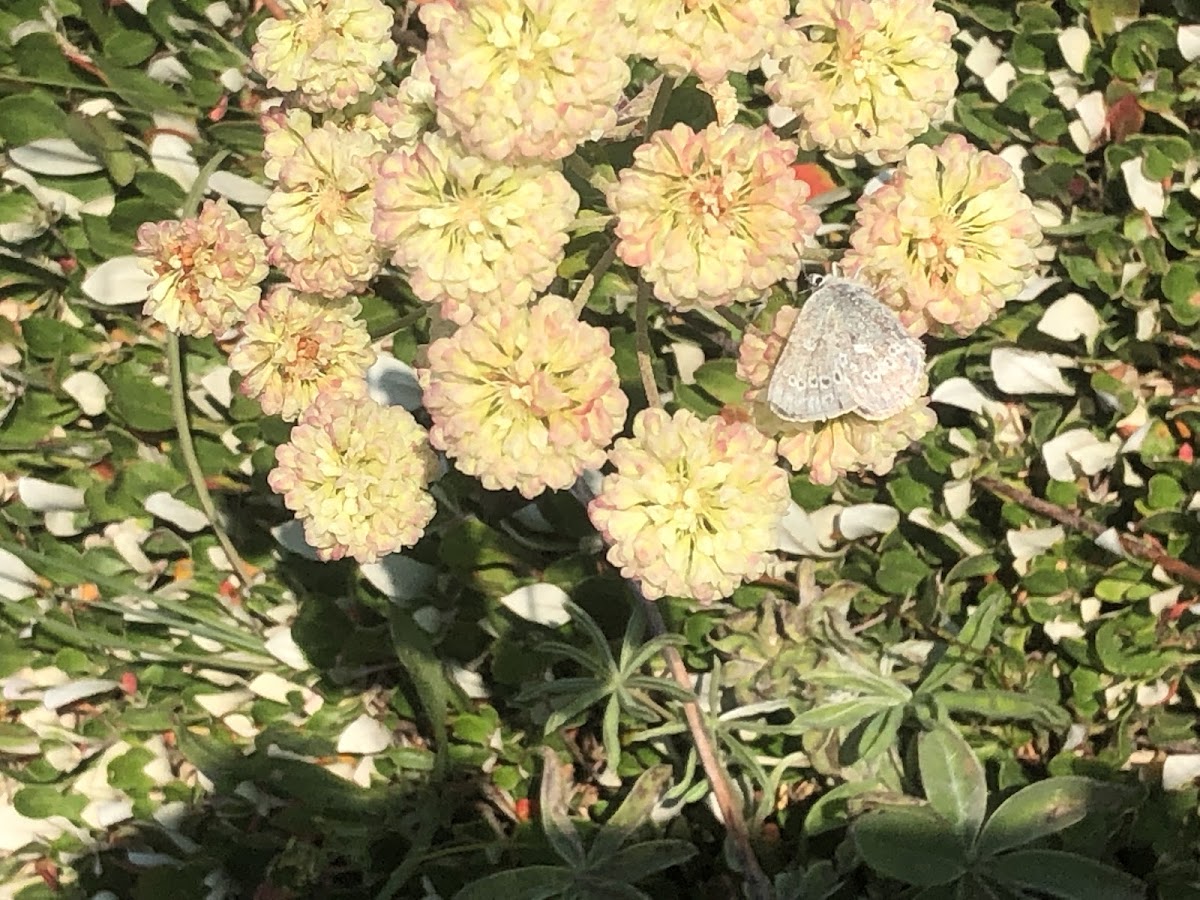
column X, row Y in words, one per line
column 995, row 723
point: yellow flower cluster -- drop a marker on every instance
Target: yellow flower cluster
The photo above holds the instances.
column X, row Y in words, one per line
column 293, row 346
column 949, row 240
column 865, row 76
column 524, row 398
column 712, row 217
column 525, row 79
column 317, row 222
column 693, row 506
column 330, row 51
column 355, row 473
column 206, row 270
column 707, row 38
column 471, row 234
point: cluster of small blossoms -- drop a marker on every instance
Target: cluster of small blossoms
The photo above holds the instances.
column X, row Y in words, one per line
column 525, row 79
column 829, row 449
column 206, row 270
column 693, row 505
column 355, row 473
column 399, row 119
column 330, row 51
column 712, row 217
column 524, row 398
column 453, row 175
column 709, row 39
column 471, row 234
column 949, row 240
column 317, row 221
column 293, row 346
column 865, row 77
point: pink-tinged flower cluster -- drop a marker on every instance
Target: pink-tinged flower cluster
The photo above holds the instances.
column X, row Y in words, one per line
column 317, row 221
column 708, row 38
column 330, row 51
column 355, row 473
column 293, row 346
column 525, row 79
column 524, row 398
column 398, row 120
column 865, row 76
column 693, row 506
column 853, row 444
column 471, row 234
column 949, row 240
column 714, row 217
column 206, row 269
column 832, row 448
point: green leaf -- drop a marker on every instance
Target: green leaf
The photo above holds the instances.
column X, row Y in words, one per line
column 556, row 823
column 526, row 883
column 1043, row 808
column 954, row 781
column 416, row 656
column 633, row 812
column 129, row 48
column 640, row 860
column 839, row 713
column 832, row 810
column 1064, row 875
column 49, row 338
column 1004, row 706
column 900, row 572
column 41, row 801
column 1181, row 287
column 878, row 733
column 1164, row 492
column 975, row 635
column 137, row 401
column 912, row 844
column 28, row 117
column 979, row 566
column 718, row 378
column 847, row 674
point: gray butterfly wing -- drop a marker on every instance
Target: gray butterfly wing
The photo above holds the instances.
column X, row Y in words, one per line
column 847, row 352
column 887, row 364
column 808, row 383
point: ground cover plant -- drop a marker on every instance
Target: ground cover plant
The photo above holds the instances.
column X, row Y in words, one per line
column 421, row 474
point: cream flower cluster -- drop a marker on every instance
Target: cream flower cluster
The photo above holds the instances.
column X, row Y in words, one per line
column 829, row 449
column 294, row 346
column 865, row 76
column 524, row 398
column 399, row 119
column 692, row 508
column 708, row 38
column 330, row 51
column 206, row 270
column 317, row 221
column 949, row 240
column 355, row 473
column 525, row 79
column 471, row 234
column 712, row 217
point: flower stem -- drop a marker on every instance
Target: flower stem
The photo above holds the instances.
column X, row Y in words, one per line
column 1143, row 546
column 758, row 886
column 188, row 448
column 645, row 352
column 579, row 301
column 659, row 109
column 179, row 413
